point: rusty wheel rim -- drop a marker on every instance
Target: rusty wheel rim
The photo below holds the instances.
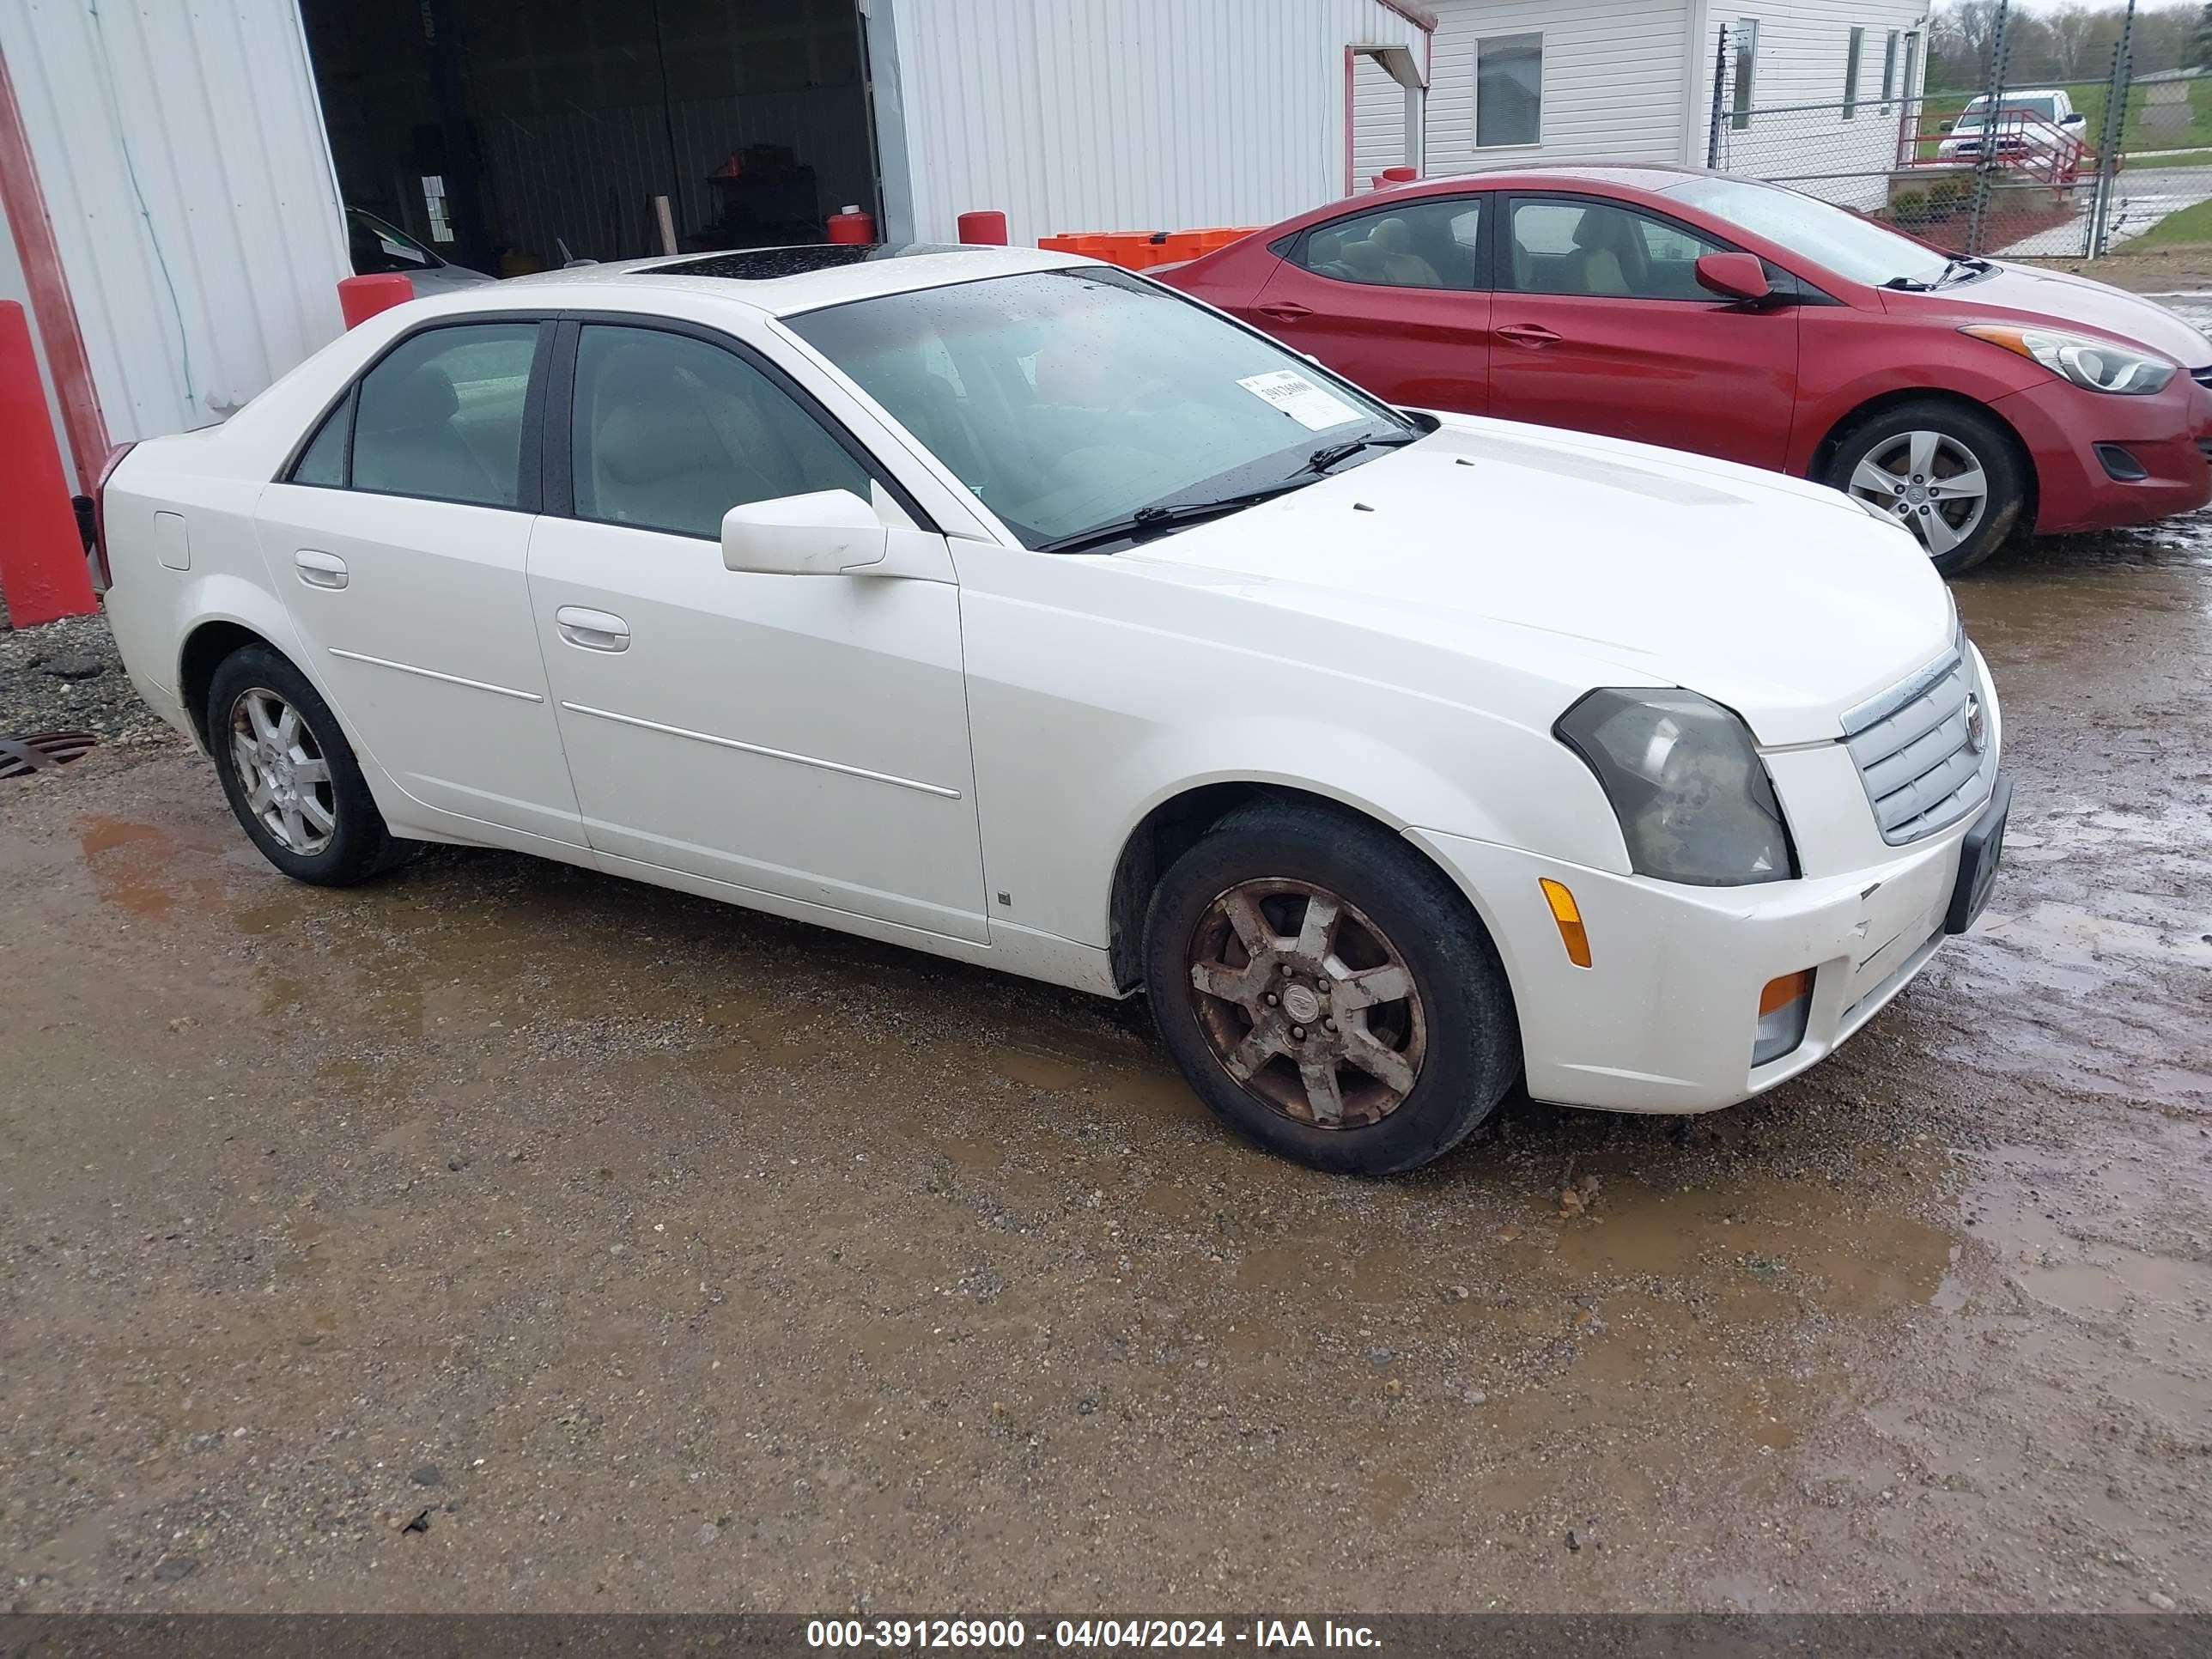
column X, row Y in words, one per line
column 1307, row 1004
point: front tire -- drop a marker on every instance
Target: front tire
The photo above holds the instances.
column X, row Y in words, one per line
column 1949, row 472
column 290, row 774
column 1326, row 992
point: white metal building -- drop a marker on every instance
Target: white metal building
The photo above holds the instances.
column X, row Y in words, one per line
column 1631, row 79
column 184, row 167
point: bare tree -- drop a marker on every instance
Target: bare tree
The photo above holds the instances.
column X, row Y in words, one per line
column 2068, row 30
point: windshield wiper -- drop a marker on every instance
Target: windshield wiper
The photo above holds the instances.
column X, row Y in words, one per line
column 1149, row 521
column 1954, row 266
column 1330, row 454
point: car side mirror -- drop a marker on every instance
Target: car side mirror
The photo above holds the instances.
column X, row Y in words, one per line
column 1734, row 276
column 823, row 534
column 1945, row 126
column 2077, row 119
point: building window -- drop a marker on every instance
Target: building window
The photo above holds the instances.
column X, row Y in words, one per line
column 1746, row 65
column 1889, row 65
column 1852, row 55
column 1509, row 90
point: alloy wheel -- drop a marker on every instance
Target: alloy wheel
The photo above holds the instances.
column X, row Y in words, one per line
column 1930, row 482
column 1307, row 1004
column 282, row 772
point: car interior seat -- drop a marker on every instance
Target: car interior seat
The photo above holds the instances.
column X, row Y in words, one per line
column 1400, row 265
column 406, row 440
column 659, row 454
column 1325, row 255
column 1608, row 256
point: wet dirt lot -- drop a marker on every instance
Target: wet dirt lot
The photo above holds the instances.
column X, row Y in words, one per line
column 504, row 1235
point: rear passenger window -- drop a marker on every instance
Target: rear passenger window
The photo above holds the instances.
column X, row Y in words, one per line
column 671, row 432
column 441, row 417
column 1423, row 244
column 323, row 462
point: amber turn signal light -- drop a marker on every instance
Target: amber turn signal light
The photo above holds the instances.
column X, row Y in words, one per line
column 1570, row 919
column 1781, row 993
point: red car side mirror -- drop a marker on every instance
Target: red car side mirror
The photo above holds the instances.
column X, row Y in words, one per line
column 1736, row 276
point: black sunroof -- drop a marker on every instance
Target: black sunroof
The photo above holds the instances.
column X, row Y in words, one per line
column 760, row 265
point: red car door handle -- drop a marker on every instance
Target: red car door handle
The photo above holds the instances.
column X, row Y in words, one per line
column 1285, row 311
column 1526, row 334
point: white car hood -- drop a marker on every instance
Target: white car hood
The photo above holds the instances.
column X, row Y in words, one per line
column 1777, row 598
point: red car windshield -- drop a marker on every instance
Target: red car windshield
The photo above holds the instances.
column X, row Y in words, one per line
column 1828, row 235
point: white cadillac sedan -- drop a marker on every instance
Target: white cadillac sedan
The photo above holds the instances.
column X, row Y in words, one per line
column 1014, row 608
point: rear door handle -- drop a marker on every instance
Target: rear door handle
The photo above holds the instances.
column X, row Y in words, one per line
column 593, row 630
column 320, row 569
column 1528, row 334
column 1285, row 311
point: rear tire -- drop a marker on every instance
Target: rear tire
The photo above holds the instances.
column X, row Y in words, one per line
column 290, row 774
column 1903, row 459
column 1373, row 1027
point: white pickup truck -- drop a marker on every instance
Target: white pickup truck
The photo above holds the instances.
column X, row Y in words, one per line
column 2036, row 124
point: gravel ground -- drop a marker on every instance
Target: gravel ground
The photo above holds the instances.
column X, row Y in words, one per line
column 66, row 677
column 500, row 1235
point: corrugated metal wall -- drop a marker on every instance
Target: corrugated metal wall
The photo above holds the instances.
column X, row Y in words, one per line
column 1126, row 114
column 181, row 153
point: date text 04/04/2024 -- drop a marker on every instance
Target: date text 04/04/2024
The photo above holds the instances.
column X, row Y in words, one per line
column 896, row 1634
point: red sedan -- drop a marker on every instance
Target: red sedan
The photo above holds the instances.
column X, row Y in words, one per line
column 1967, row 397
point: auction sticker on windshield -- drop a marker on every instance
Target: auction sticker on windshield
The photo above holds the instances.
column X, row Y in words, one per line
column 1300, row 399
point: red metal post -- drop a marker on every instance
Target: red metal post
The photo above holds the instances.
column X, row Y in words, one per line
column 43, row 573
column 49, row 291
column 985, row 226
column 361, row 298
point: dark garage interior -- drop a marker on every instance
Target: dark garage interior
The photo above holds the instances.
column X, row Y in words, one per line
column 511, row 135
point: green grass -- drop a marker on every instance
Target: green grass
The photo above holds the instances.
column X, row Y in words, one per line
column 2192, row 224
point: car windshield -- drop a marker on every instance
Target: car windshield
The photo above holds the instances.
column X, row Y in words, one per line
column 1830, row 236
column 2041, row 109
column 1072, row 401
column 378, row 247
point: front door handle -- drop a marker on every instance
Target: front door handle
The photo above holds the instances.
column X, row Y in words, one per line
column 320, row 569
column 593, row 630
column 1285, row 311
column 1532, row 335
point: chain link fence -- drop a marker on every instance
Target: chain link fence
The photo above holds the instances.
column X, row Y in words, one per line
column 2017, row 173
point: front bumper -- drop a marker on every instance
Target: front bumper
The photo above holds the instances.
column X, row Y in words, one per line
column 2164, row 433
column 1663, row 1018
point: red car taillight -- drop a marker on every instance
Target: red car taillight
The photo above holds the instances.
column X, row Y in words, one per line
column 102, row 576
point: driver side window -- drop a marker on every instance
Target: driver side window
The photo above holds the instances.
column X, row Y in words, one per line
column 1601, row 250
column 670, row 432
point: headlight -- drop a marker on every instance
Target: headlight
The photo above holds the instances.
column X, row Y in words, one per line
column 2097, row 365
column 1693, row 798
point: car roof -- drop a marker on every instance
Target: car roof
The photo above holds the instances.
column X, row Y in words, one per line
column 782, row 281
column 1517, row 175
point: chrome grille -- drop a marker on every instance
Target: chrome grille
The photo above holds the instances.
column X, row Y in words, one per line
column 1912, row 748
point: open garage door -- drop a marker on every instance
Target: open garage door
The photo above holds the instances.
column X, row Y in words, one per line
column 508, row 135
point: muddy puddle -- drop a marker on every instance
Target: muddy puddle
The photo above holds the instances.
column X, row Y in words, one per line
column 711, row 1260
